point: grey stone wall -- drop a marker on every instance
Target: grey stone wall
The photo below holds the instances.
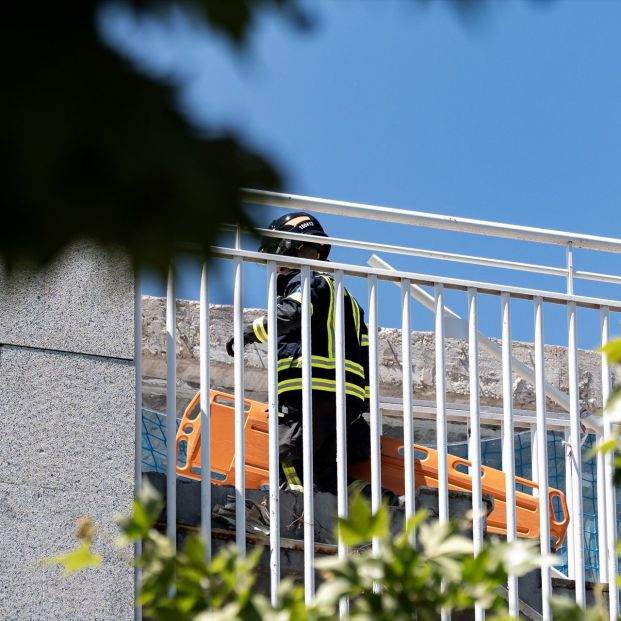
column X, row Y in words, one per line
column 390, row 367
column 67, row 428
column 423, row 360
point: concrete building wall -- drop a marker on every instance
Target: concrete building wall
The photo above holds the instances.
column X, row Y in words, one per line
column 67, row 434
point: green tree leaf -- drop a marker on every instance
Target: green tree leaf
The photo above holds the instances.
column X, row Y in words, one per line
column 567, row 610
column 362, row 526
column 76, row 560
column 612, row 349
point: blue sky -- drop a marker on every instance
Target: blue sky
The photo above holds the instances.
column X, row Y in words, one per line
column 510, row 115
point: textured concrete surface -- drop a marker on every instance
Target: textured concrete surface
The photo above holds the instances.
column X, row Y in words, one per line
column 69, row 420
column 67, row 426
column 83, row 303
column 68, row 450
column 38, row 522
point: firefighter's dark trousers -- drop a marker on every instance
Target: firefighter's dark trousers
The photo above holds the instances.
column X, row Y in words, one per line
column 324, row 438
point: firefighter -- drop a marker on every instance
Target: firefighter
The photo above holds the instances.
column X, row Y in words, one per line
column 323, row 326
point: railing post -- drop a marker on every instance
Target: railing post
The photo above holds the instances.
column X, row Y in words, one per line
column 341, row 414
column 474, row 443
column 574, row 421
column 611, row 502
column 205, row 413
column 171, row 408
column 569, row 491
column 569, row 258
column 508, row 448
column 307, row 440
column 406, row 383
column 542, row 459
column 274, row 465
column 441, row 428
column 139, row 423
column 240, row 445
column 374, row 409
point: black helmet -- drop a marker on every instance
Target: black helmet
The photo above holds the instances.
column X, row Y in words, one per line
column 297, row 222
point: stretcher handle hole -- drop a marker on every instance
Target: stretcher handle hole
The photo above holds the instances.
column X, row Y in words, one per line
column 418, row 453
column 193, row 415
column 230, row 403
column 182, row 453
column 558, row 510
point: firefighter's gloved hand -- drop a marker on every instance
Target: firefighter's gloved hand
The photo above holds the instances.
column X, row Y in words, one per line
column 230, row 347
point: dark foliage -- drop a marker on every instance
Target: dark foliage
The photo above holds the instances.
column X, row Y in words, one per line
column 90, row 148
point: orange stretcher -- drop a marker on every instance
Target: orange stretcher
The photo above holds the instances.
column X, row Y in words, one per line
column 425, row 467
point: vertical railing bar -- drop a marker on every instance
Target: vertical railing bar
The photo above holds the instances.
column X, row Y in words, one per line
column 569, row 494
column 171, row 407
column 274, row 465
column 602, row 528
column 205, row 412
column 307, row 440
column 611, row 502
column 542, row 459
column 508, row 447
column 408, row 423
column 534, row 457
column 576, row 448
column 138, row 431
column 341, row 439
column 441, row 427
column 240, row 448
column 474, row 443
column 374, row 409
column 569, row 256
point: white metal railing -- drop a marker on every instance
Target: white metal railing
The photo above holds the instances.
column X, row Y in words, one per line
column 447, row 324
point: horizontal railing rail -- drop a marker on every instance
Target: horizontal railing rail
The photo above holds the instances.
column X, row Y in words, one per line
column 458, row 284
column 416, row 218
column 425, row 253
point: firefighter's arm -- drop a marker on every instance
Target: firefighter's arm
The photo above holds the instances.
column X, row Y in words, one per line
column 256, row 332
column 288, row 318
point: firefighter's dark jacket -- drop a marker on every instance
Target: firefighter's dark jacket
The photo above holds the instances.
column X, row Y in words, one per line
column 323, row 329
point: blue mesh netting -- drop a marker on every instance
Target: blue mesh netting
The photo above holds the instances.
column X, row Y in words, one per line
column 154, row 441
column 154, row 460
column 491, row 455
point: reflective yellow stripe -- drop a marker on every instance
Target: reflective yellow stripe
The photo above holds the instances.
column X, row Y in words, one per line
column 320, row 362
column 367, row 392
column 320, row 384
column 297, row 296
column 330, row 321
column 355, row 309
column 364, row 342
column 259, row 330
column 357, row 486
column 292, row 478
